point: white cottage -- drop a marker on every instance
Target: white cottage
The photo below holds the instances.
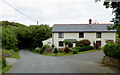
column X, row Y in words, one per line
column 75, row 32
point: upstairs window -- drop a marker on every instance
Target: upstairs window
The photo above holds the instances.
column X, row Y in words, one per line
column 81, row 35
column 98, row 35
column 61, row 35
column 61, row 43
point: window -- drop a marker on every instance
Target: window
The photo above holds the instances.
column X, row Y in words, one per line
column 98, row 35
column 60, row 43
column 49, row 42
column 70, row 45
column 81, row 35
column 61, row 35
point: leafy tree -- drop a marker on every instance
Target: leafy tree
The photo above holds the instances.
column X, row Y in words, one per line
column 116, row 10
column 9, row 40
column 16, row 35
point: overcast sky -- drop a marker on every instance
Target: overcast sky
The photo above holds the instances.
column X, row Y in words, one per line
column 55, row 11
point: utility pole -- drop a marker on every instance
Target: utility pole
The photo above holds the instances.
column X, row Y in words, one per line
column 37, row 22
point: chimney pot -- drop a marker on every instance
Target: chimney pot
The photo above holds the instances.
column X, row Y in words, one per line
column 90, row 21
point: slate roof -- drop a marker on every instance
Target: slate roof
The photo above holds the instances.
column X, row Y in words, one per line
column 81, row 28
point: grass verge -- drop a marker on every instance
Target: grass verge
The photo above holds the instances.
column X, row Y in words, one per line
column 66, row 54
column 15, row 55
column 5, row 69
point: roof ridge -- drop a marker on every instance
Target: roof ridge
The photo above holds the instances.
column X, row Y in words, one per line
column 86, row 24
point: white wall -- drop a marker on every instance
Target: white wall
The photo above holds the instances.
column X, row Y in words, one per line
column 89, row 36
column 47, row 42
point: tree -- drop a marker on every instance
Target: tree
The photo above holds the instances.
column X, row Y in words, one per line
column 116, row 10
column 16, row 35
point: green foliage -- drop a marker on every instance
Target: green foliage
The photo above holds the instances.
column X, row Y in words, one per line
column 9, row 38
column 56, row 50
column 112, row 50
column 66, row 50
column 45, row 47
column 15, row 35
column 75, row 51
column 109, row 41
column 4, row 64
column 85, row 48
column 83, row 43
column 41, row 51
column 52, row 45
column 67, row 42
column 116, row 10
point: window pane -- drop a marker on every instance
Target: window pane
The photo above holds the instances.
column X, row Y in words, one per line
column 60, row 35
column 98, row 35
column 81, row 35
column 60, row 43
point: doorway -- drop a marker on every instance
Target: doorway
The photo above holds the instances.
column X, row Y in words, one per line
column 98, row 44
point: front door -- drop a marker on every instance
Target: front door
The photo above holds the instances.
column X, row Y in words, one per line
column 98, row 44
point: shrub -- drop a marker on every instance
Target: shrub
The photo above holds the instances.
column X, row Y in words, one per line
column 112, row 50
column 66, row 50
column 56, row 50
column 45, row 47
column 4, row 64
column 109, row 41
column 75, row 51
column 67, row 42
column 85, row 48
column 61, row 50
column 52, row 45
column 37, row 49
column 83, row 43
column 41, row 51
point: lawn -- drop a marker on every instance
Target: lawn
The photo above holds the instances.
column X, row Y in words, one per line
column 66, row 54
column 5, row 69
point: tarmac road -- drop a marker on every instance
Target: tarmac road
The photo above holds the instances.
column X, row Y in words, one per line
column 80, row 63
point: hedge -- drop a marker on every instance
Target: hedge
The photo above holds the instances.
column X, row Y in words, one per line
column 85, row 48
column 112, row 50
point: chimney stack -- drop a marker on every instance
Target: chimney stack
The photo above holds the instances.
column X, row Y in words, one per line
column 90, row 21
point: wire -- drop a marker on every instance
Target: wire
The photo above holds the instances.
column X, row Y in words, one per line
column 19, row 11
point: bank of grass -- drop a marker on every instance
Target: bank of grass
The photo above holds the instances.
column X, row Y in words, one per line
column 5, row 69
column 66, row 54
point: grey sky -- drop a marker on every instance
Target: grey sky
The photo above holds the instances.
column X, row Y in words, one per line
column 55, row 11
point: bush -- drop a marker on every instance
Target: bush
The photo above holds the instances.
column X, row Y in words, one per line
column 37, row 49
column 66, row 50
column 52, row 45
column 83, row 43
column 4, row 64
column 85, row 48
column 112, row 50
column 75, row 51
column 45, row 47
column 56, row 50
column 41, row 51
column 109, row 41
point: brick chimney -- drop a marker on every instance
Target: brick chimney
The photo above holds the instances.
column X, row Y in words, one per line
column 90, row 21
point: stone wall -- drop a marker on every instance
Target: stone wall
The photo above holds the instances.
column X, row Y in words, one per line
column 108, row 61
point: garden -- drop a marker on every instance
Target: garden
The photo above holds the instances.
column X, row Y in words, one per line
column 82, row 46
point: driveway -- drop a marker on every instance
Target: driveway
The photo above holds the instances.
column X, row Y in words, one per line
column 80, row 63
